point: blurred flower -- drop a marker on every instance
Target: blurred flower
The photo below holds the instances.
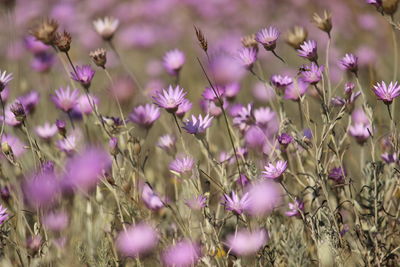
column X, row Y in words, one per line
column 167, row 143
column 151, row 199
column 244, row 117
column 106, row 27
column 17, row 147
column 296, row 36
column 387, row 93
column 198, row 126
column 99, row 57
column 55, row 221
column 197, row 203
column 312, row 73
column 123, row 89
column 389, row 157
column 263, row 92
column 245, row 243
column 242, row 180
column 10, row 118
column 145, row 115
column 295, row 208
column 324, row 23
column 274, row 171
column 359, row 116
column 235, row 204
column 183, row 254
column 46, row 131
column 137, row 240
column 296, row 89
column 70, row 143
column 231, row 90
column 350, row 63
column 184, row 107
column 268, row 37
column 84, row 75
column 41, row 190
column 5, row 193
column 376, row 3
column 3, row 214
column 248, row 56
column 34, row 45
column 45, row 31
column 170, row 98
column 65, row 99
column 85, row 104
column 309, row 50
column 18, row 110
column 5, row 79
column 42, row 62
column 285, row 139
column 212, row 94
column 360, row 132
column 173, row 61
column 225, row 69
column 79, row 176
column 61, row 127
column 280, row 82
column 182, row 164
column 29, row 100
column 337, row 174
column 264, row 197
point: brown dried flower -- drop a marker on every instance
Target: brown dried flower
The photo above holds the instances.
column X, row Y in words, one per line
column 46, row 31
column 323, row 23
column 296, row 36
column 99, row 57
column 202, row 40
column 63, row 41
column 389, row 7
column 250, row 41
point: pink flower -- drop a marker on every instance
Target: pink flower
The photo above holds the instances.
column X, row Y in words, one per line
column 65, row 99
column 173, row 61
column 46, row 131
column 170, row 98
column 150, row 198
column 235, row 204
column 264, row 197
column 185, row 253
column 387, row 93
column 245, row 243
column 137, row 240
column 275, row 171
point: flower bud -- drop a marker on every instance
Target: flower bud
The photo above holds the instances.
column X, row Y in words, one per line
column 99, row 57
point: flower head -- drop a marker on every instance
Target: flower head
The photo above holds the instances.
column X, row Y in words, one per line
column 285, row 139
column 184, row 107
column 65, row 99
column 3, row 214
column 29, row 101
column 84, row 75
column 5, row 79
column 170, row 98
column 296, row 36
column 150, row 198
column 199, row 125
column 360, row 132
column 106, row 27
column 182, row 164
column 46, row 31
column 312, row 74
column 264, row 197
column 137, row 240
column 280, row 82
column 182, row 254
column 337, row 174
column 387, row 93
column 70, row 143
column 235, row 204
column 275, row 171
column 85, row 104
column 55, row 221
column 197, row 203
column 42, row 62
column 248, row 55
column 46, row 131
column 14, row 144
column 167, row 142
column 145, row 115
column 295, row 208
column 173, row 61
column 309, row 50
column 349, row 62
column 268, row 37
column 41, row 190
column 296, row 89
column 245, row 243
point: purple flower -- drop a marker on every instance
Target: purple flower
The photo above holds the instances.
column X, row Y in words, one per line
column 197, row 203
column 285, row 139
column 3, row 214
column 170, row 98
column 41, row 190
column 337, row 174
column 387, row 93
column 145, row 115
column 313, row 73
column 35, row 46
column 84, row 75
column 349, row 62
column 10, row 118
column 264, row 197
column 245, row 243
column 79, row 176
column 275, row 171
column 389, row 157
column 70, row 143
column 248, row 55
column 55, row 221
column 242, row 180
column 29, row 101
column 235, row 204
column 309, row 50
column 280, row 82
column 296, row 89
column 183, row 254
column 295, row 208
column 173, row 61
column 199, row 125
column 184, row 107
column 42, row 62
column 268, row 37
column 150, row 198
column 17, row 147
column 137, row 240
column 245, row 118
column 182, row 164
column 65, row 99
column 349, row 87
column 209, row 93
column 360, row 132
column 231, row 90
column 167, row 142
column 225, row 69
column 46, row 131
column 376, row 3
column 61, row 127
column 5, row 79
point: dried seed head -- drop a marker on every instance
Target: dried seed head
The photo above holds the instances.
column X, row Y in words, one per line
column 202, row 40
column 63, row 41
column 249, row 41
column 324, row 23
column 18, row 110
column 390, row 6
column 99, row 57
column 46, row 31
column 296, row 36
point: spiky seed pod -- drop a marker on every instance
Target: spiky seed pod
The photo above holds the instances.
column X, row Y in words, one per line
column 202, row 40
column 63, row 41
column 99, row 57
column 324, row 23
column 296, row 36
column 46, row 31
